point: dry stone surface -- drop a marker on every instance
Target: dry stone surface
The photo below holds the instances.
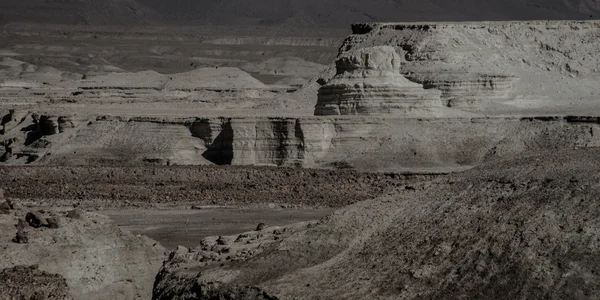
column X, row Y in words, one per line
column 514, row 228
column 369, row 82
column 96, row 259
column 491, row 67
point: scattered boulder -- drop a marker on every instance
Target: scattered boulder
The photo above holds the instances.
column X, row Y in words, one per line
column 221, row 241
column 21, row 237
column 4, row 208
column 21, row 224
column 28, row 282
column 65, row 122
column 48, row 125
column 181, row 250
column 35, row 118
column 74, row 214
column 53, row 222
column 7, row 205
column 241, row 237
column 260, row 226
column 34, row 219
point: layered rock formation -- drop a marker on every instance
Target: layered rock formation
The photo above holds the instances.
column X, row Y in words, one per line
column 368, row 82
column 491, row 67
column 466, row 90
column 361, row 142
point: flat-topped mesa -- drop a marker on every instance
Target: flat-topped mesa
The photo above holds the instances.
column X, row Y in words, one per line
column 494, row 66
column 368, row 82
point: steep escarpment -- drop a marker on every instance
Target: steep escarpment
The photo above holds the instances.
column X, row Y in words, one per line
column 491, row 67
column 512, row 229
column 368, row 82
column 360, row 142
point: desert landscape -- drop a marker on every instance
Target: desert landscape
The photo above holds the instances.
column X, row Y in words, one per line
column 288, row 150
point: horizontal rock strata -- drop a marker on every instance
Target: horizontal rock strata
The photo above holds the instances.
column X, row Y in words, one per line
column 368, row 82
column 479, row 66
column 365, row 143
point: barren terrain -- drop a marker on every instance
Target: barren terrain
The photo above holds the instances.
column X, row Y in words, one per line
column 516, row 228
column 451, row 160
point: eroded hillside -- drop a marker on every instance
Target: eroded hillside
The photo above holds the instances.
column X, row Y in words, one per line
column 425, row 97
column 524, row 227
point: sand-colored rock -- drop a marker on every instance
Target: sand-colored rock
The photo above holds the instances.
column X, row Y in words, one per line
column 31, row 74
column 200, row 117
column 492, row 67
column 369, row 82
column 364, row 143
column 202, row 78
column 96, row 258
column 215, row 78
column 284, row 66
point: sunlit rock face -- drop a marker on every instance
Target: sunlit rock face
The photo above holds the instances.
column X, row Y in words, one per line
column 369, row 82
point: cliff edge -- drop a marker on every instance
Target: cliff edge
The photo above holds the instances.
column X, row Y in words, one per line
column 489, row 67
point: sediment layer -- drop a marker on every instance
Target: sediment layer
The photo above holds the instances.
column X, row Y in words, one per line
column 365, row 143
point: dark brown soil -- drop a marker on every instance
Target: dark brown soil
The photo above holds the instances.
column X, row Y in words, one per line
column 179, row 185
column 24, row 282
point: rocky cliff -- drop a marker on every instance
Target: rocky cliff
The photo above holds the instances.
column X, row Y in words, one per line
column 368, row 82
column 365, row 143
column 489, row 67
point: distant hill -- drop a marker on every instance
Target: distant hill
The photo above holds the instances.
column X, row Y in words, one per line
column 305, row 13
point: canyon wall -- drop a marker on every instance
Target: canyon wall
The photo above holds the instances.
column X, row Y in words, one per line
column 365, row 143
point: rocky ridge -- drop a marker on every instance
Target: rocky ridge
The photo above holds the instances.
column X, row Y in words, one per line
column 445, row 85
column 287, row 14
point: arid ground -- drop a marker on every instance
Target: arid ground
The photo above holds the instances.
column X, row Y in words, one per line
column 147, row 155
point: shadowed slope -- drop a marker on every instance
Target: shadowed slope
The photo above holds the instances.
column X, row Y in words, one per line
column 513, row 229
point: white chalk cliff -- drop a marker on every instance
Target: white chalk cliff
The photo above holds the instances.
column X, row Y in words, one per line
column 369, row 82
